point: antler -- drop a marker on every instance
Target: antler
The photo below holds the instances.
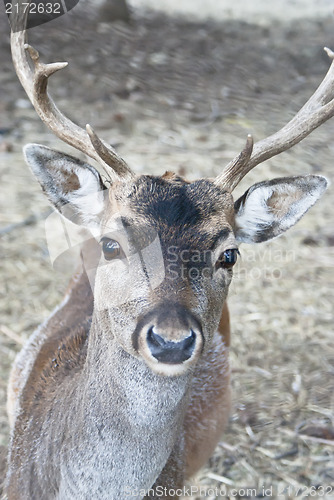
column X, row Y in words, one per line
column 35, row 82
column 318, row 109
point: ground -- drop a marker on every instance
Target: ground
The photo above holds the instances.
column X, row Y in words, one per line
column 179, row 94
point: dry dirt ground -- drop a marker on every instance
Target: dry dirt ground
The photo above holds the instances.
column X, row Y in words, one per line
column 175, row 94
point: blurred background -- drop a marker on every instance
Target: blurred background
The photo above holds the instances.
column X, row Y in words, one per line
column 178, row 87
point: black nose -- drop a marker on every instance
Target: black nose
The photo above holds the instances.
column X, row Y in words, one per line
column 170, row 352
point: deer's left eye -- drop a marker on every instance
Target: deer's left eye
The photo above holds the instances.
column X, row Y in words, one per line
column 111, row 249
column 227, row 259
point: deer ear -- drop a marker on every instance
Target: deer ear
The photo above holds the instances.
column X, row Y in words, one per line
column 73, row 187
column 269, row 208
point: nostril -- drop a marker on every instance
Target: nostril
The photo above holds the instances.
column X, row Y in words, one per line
column 154, row 338
column 189, row 342
column 170, row 352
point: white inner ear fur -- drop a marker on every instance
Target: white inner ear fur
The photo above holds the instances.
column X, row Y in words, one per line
column 89, row 198
column 271, row 208
column 254, row 215
column 69, row 183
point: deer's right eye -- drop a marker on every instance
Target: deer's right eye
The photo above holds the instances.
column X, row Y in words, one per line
column 111, row 249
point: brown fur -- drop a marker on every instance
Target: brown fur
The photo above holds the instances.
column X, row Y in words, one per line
column 224, row 325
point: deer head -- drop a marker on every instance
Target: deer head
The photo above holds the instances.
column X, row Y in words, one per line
column 164, row 306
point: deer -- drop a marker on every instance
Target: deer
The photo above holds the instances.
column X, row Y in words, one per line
column 124, row 391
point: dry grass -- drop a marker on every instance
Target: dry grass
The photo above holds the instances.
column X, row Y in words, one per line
column 282, row 424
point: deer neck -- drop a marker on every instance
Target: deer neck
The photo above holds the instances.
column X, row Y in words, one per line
column 129, row 418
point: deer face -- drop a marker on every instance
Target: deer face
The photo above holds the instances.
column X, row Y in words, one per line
column 167, row 249
column 167, row 253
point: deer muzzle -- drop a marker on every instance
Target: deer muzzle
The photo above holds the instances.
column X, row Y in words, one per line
column 169, row 339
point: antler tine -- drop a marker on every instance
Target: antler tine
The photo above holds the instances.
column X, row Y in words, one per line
column 236, row 167
column 35, row 83
column 108, row 155
column 318, row 109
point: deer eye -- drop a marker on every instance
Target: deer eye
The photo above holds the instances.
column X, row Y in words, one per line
column 111, row 249
column 227, row 259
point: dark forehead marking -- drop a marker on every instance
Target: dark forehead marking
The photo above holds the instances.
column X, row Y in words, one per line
column 175, row 202
column 187, row 215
